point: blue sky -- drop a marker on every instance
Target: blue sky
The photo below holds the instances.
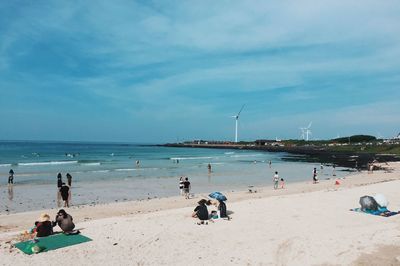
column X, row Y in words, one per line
column 155, row 71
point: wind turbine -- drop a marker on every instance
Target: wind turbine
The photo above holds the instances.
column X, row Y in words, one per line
column 308, row 130
column 305, row 132
column 236, row 123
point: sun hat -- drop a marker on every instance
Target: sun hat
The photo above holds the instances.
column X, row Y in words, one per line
column 44, row 217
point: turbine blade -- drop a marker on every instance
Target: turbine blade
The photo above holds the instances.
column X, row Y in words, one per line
column 241, row 110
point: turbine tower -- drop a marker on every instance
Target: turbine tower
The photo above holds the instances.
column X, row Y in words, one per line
column 306, row 132
column 236, row 123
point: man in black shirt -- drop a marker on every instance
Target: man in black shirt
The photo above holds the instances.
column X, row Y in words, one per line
column 186, row 188
column 201, row 211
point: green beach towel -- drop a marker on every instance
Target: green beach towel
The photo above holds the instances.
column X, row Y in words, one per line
column 51, row 242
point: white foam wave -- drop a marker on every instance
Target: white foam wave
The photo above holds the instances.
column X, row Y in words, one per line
column 5, row 165
column 230, row 152
column 190, row 158
column 47, row 163
column 245, row 155
column 101, row 171
column 125, row 169
column 90, row 164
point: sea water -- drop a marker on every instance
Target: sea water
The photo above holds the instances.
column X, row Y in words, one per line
column 108, row 172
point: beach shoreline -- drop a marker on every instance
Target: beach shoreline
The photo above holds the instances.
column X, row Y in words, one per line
column 153, row 204
column 296, row 214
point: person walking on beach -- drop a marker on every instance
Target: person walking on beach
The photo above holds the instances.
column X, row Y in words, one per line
column 276, row 180
column 315, row 174
column 69, row 179
column 334, row 170
column 65, row 194
column 11, row 176
column 209, row 168
column 181, row 185
column 186, row 188
column 270, row 163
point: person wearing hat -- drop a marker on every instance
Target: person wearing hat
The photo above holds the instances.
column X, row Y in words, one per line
column 44, row 226
column 201, row 210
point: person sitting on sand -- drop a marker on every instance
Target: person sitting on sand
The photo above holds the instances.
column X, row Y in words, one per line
column 222, row 209
column 44, row 227
column 201, row 211
column 65, row 221
column 65, row 193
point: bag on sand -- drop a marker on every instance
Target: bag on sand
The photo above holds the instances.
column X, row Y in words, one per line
column 368, row 203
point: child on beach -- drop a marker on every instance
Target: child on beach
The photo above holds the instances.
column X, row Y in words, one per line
column 276, row 180
column 282, row 183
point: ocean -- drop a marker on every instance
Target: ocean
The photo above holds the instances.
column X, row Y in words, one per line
column 108, row 172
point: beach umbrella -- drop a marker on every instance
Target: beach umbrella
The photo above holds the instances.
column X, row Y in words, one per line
column 218, row 196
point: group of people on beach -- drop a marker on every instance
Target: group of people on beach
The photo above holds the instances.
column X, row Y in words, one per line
column 184, row 187
column 44, row 225
column 201, row 211
column 64, row 190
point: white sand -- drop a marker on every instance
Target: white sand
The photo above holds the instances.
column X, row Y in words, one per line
column 304, row 224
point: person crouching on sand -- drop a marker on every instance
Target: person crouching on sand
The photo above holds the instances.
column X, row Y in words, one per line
column 65, row 221
column 201, row 211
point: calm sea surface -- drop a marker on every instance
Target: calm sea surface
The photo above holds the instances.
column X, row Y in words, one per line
column 105, row 172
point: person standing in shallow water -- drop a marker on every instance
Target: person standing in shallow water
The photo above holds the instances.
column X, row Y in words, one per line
column 69, row 179
column 11, row 176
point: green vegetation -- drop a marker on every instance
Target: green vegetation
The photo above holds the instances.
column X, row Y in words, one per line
column 355, row 138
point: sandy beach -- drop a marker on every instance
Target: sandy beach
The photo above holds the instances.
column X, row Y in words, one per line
column 303, row 224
